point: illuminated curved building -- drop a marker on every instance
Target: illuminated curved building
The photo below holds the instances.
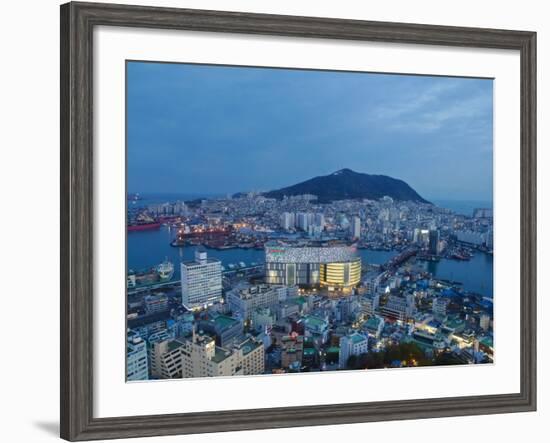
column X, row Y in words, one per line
column 335, row 267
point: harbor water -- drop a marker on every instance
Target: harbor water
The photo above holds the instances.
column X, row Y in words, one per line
column 149, row 248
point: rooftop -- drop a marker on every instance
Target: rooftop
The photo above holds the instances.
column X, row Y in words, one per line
column 373, row 322
column 323, row 253
column 223, row 321
column 221, row 354
column 357, row 338
column 174, row 344
column 190, row 263
column 249, row 345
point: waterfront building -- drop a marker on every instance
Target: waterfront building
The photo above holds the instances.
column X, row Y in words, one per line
column 136, row 358
column 155, row 303
column 337, row 267
column 421, row 236
column 179, row 208
column 355, row 228
column 471, row 237
column 201, row 281
column 354, row 344
column 433, row 242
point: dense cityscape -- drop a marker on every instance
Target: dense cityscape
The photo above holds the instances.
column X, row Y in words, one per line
column 313, row 302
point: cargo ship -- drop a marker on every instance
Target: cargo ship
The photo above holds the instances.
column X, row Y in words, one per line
column 159, row 274
column 143, row 226
column 141, row 222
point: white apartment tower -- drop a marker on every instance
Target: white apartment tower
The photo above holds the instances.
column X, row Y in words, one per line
column 355, row 227
column 287, row 221
column 201, row 281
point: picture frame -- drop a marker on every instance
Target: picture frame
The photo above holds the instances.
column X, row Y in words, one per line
column 78, row 21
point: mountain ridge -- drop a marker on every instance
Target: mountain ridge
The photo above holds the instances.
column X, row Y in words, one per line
column 347, row 184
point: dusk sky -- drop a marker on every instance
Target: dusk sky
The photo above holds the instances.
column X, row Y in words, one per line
column 214, row 130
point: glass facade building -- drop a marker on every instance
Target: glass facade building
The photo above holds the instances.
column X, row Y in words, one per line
column 335, row 267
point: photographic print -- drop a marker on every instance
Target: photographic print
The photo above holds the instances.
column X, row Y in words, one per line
column 284, row 220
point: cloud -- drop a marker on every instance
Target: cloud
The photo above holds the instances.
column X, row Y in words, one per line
column 432, row 108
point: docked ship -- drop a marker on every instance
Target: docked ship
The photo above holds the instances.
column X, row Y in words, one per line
column 158, row 274
column 143, row 226
column 142, row 222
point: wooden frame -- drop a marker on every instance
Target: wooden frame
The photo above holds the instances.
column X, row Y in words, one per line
column 77, row 24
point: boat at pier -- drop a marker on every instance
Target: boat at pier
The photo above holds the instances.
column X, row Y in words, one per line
column 159, row 274
column 143, row 226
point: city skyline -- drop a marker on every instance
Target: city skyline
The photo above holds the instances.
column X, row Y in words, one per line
column 293, row 221
column 241, row 129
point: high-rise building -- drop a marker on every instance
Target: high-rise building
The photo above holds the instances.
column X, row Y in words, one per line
column 433, row 243
column 421, row 236
column 136, row 358
column 355, row 228
column 287, row 221
column 354, row 344
column 304, row 220
column 201, row 281
column 320, row 221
